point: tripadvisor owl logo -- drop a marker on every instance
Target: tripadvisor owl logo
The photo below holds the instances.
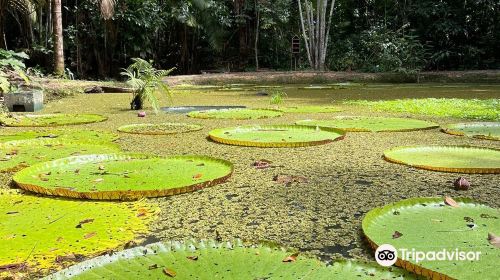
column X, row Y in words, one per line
column 386, row 255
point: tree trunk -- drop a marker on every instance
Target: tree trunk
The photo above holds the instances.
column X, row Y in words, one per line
column 58, row 39
column 316, row 30
column 257, row 27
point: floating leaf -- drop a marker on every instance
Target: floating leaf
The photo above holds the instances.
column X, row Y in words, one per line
column 494, row 240
column 31, row 120
column 169, row 272
column 152, row 176
column 451, row 202
column 159, row 129
column 366, row 124
column 291, row 258
column 236, row 114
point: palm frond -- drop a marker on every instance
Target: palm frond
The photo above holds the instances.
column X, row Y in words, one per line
column 107, row 8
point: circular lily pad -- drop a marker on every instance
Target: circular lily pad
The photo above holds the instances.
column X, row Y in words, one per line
column 236, row 114
column 18, row 154
column 44, row 233
column 61, row 134
column 311, row 109
column 483, row 130
column 317, row 87
column 276, row 135
column 31, row 120
column 462, row 159
column 123, row 176
column 159, row 129
column 227, row 260
column 429, row 225
column 374, row 124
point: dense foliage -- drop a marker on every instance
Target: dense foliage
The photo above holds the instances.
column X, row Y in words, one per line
column 220, row 35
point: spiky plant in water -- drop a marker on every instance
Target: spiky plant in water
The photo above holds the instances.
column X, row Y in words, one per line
column 277, row 97
column 146, row 82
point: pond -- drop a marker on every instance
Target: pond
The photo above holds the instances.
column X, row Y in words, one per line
column 312, row 198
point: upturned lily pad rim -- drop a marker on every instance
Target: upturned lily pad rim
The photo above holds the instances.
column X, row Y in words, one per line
column 102, row 118
column 471, row 170
column 204, row 115
column 378, row 211
column 191, row 245
column 432, row 125
column 212, row 135
column 125, row 128
column 66, row 191
column 29, row 143
column 451, row 129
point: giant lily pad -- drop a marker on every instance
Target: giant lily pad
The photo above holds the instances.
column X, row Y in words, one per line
column 236, row 114
column 311, row 109
column 213, row 260
column 123, row 176
column 31, row 120
column 429, row 225
column 22, row 153
column 159, row 129
column 375, row 124
column 462, row 159
column 276, row 135
column 61, row 134
column 45, row 232
column 483, row 130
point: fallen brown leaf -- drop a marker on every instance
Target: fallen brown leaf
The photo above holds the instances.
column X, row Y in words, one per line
column 169, row 272
column 89, row 235
column 193, row 258
column 262, row 164
column 494, row 240
column 86, row 221
column 451, row 202
column 153, row 266
column 197, row 176
column 101, row 167
column 68, row 257
column 396, row 235
column 291, row 258
column 286, row 179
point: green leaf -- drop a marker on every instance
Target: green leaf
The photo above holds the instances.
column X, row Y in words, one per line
column 235, row 114
column 225, row 260
column 18, row 154
column 30, row 120
column 427, row 224
column 36, row 230
column 123, row 176
column 462, row 159
column 61, row 134
column 483, row 130
column 275, row 135
column 374, row 124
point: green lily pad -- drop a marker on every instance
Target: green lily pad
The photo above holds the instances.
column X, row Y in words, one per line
column 374, row 124
column 236, row 114
column 40, row 231
column 31, row 120
column 275, row 135
column 18, row 154
column 483, row 130
column 462, row 159
column 159, row 129
column 123, row 176
column 61, row 134
column 213, row 260
column 311, row 109
column 317, row 87
column 427, row 224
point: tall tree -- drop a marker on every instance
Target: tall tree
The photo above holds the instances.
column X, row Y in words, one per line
column 316, row 30
column 58, row 39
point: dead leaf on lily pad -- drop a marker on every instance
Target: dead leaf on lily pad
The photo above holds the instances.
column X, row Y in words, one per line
column 286, row 179
column 193, row 258
column 153, row 266
column 98, row 180
column 262, row 164
column 451, row 202
column 86, row 221
column 291, row 258
column 89, row 235
column 396, row 235
column 494, row 240
column 169, row 272
column 197, row 176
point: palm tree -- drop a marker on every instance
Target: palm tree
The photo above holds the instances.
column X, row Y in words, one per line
column 58, row 39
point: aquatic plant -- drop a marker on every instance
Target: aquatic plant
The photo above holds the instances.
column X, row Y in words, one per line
column 48, row 120
column 373, row 124
column 277, row 97
column 482, row 130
